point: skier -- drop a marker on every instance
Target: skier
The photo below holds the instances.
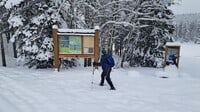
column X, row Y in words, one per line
column 107, row 62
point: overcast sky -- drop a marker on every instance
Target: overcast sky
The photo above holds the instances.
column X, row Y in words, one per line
column 186, row 6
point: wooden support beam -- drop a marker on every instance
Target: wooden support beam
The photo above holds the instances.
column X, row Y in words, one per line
column 96, row 45
column 56, row 48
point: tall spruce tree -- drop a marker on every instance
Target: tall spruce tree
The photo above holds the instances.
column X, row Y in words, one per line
column 198, row 34
column 187, row 27
column 32, row 23
column 154, row 26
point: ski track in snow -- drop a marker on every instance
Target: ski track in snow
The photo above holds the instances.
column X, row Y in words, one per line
column 44, row 91
column 138, row 89
column 28, row 101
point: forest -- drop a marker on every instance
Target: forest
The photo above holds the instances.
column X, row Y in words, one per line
column 135, row 30
column 187, row 28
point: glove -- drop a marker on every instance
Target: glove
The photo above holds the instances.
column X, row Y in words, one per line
column 95, row 64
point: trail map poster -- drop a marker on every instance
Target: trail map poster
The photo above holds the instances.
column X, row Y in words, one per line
column 173, row 51
column 70, row 44
column 88, row 45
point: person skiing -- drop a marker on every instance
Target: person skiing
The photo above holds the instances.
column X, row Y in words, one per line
column 106, row 62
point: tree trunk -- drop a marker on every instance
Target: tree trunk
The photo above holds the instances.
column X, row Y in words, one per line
column 3, row 52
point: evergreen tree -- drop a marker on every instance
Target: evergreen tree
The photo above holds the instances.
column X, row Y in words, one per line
column 154, row 28
column 198, row 34
column 32, row 23
column 139, row 29
column 187, row 27
column 179, row 29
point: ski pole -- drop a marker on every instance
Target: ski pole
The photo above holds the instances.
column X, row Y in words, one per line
column 92, row 83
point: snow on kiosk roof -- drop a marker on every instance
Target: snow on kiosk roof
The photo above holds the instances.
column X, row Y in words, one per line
column 76, row 31
column 173, row 44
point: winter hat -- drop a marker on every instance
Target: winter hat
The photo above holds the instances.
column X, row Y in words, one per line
column 103, row 51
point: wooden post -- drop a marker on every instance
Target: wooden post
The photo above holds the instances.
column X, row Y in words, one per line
column 96, row 44
column 56, row 48
column 178, row 58
column 165, row 58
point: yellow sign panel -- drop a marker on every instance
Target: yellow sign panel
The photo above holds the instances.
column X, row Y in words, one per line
column 88, row 45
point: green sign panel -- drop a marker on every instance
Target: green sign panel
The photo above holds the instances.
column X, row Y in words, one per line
column 69, row 44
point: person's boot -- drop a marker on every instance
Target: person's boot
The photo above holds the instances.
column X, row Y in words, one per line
column 112, row 88
column 101, row 84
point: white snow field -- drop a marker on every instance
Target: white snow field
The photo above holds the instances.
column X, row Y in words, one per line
column 138, row 89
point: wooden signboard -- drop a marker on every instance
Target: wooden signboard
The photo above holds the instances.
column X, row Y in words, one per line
column 172, row 54
column 82, row 43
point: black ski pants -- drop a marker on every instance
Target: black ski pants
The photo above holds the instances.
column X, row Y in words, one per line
column 106, row 74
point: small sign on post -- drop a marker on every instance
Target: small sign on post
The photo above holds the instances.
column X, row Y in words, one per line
column 83, row 43
column 172, row 54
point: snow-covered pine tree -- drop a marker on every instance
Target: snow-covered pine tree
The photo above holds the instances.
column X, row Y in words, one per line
column 123, row 23
column 73, row 14
column 198, row 33
column 97, row 13
column 154, row 30
column 32, row 23
column 113, row 18
column 4, row 25
column 178, row 31
column 4, row 12
column 186, row 27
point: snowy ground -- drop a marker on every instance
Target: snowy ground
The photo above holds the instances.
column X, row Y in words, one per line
column 138, row 89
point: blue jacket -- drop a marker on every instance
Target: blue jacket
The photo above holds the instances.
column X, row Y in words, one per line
column 104, row 63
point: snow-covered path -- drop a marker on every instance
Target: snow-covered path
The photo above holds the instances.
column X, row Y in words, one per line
column 138, row 89
column 21, row 97
column 48, row 91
